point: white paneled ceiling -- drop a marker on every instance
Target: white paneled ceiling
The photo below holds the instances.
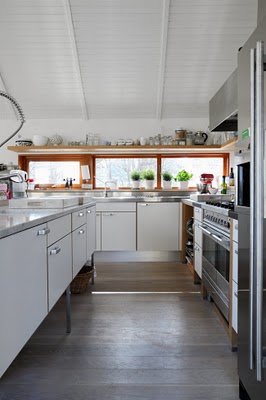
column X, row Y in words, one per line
column 119, row 58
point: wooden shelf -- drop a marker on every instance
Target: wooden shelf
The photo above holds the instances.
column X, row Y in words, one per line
column 228, row 146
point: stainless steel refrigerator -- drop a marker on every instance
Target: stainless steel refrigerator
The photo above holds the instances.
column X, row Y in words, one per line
column 251, row 210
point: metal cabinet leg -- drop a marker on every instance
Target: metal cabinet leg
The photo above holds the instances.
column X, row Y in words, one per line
column 68, row 310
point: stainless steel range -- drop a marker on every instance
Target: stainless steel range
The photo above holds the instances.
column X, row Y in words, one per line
column 216, row 252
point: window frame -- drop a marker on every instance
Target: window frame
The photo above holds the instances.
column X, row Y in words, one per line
column 84, row 159
column 90, row 159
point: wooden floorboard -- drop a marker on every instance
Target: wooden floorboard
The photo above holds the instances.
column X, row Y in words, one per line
column 161, row 343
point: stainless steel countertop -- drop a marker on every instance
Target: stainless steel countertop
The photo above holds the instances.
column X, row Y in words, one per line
column 14, row 220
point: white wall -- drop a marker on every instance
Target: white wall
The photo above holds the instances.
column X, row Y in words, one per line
column 109, row 129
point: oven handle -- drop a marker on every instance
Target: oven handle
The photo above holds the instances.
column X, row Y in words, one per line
column 217, row 237
column 205, row 230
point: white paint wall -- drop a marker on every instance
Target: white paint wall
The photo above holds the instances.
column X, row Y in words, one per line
column 109, row 129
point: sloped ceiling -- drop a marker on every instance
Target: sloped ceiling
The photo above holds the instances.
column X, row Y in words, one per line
column 119, row 58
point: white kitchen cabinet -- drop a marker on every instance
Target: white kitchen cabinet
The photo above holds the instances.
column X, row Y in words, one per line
column 59, row 269
column 158, row 226
column 98, row 222
column 119, row 231
column 23, row 289
column 116, row 226
column 198, row 218
column 235, row 306
column 79, row 248
column 91, row 231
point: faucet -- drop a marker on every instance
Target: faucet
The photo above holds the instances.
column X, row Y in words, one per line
column 105, row 186
column 8, row 177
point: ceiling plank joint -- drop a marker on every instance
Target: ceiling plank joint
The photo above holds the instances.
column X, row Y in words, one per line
column 76, row 56
column 164, row 33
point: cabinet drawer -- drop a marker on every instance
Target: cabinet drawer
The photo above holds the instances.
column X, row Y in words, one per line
column 235, row 230
column 79, row 246
column 116, row 206
column 78, row 218
column 235, row 306
column 198, row 214
column 59, row 228
column 235, row 262
column 59, row 269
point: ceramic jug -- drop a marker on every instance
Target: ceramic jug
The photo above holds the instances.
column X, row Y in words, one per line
column 200, row 137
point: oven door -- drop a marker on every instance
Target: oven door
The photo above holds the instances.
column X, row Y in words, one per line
column 215, row 266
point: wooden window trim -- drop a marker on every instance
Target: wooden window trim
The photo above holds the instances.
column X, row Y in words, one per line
column 84, row 159
column 89, row 159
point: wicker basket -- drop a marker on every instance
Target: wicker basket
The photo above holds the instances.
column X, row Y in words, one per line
column 81, row 281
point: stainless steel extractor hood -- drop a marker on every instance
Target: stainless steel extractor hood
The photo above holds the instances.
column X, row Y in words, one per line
column 223, row 106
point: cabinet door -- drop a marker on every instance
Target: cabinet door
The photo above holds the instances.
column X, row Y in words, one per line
column 235, row 262
column 79, row 246
column 98, row 231
column 198, row 259
column 91, row 231
column 23, row 290
column 119, row 231
column 59, row 269
column 158, row 226
column 197, row 234
column 234, row 306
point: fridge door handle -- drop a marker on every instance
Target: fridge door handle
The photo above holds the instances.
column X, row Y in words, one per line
column 252, row 207
column 259, row 193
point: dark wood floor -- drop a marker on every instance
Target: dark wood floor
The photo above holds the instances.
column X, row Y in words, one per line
column 148, row 345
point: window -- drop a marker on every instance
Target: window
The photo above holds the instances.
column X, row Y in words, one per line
column 54, row 172
column 119, row 169
column 195, row 165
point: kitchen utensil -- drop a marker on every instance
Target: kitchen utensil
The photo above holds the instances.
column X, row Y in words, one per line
column 213, row 190
column 56, row 140
column 200, row 138
column 39, row 140
column 180, row 133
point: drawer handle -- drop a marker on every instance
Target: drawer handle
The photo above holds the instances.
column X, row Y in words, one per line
column 81, row 231
column 236, row 227
column 236, row 294
column 54, row 251
column 89, row 211
column 144, row 205
column 108, row 215
column 44, row 231
column 236, row 251
column 81, row 214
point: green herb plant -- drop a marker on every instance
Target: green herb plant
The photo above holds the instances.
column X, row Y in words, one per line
column 183, row 176
column 148, row 175
column 135, row 175
column 167, row 176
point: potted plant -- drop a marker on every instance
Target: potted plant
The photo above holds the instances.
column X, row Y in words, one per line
column 183, row 177
column 136, row 178
column 167, row 180
column 149, row 176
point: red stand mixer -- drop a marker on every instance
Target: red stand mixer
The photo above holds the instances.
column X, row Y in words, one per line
column 205, row 179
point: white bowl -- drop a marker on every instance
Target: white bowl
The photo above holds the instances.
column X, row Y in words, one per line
column 39, row 140
column 213, row 190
